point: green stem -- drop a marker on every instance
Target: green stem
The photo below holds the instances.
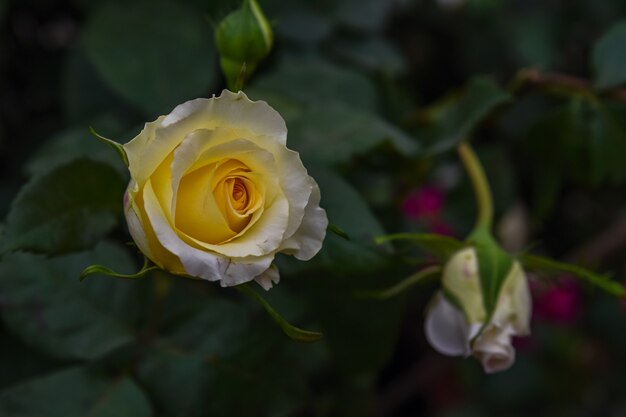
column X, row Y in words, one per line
column 484, row 201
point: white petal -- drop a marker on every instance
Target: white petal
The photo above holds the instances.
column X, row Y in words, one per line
column 133, row 220
column 446, row 328
column 514, row 302
column 307, row 240
column 243, row 270
column 233, row 110
column 268, row 278
column 295, row 184
column 461, row 278
column 159, row 138
column 494, row 349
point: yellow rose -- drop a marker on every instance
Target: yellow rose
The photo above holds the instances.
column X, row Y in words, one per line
column 216, row 194
column 460, row 328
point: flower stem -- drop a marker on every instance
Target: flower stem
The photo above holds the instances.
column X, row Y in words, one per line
column 482, row 192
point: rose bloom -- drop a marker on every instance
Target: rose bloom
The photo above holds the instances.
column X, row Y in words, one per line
column 215, row 193
column 455, row 330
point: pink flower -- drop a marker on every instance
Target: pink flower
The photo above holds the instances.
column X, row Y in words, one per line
column 423, row 202
column 425, row 206
column 559, row 303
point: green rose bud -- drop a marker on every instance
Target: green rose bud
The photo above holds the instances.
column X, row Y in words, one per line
column 243, row 39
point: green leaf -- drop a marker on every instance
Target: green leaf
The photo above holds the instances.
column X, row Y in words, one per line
column 346, row 207
column 103, row 270
column 20, row 362
column 372, row 54
column 402, row 286
column 74, row 143
column 154, row 54
column 363, row 15
column 361, row 335
column 242, row 352
column 494, row 265
column 443, row 247
column 607, row 142
column 334, row 133
column 295, row 333
column 306, row 27
column 609, row 58
column 455, row 120
column 311, row 81
column 86, row 95
column 75, row 392
column 49, row 309
column 582, row 140
column 69, row 208
column 604, row 282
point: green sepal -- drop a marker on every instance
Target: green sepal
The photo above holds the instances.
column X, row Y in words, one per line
column 333, row 228
column 604, row 282
column 443, row 247
column 116, row 146
column 494, row 265
column 293, row 332
column 103, row 270
column 414, row 279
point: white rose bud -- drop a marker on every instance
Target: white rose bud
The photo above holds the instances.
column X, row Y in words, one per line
column 456, row 323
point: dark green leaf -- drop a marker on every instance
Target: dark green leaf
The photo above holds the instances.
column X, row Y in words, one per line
column 361, row 334
column 346, row 207
column 293, row 332
column 539, row 263
column 457, row 119
column 334, row 133
column 441, row 246
column 607, row 142
column 44, row 303
column 75, row 143
column 69, row 208
column 363, row 15
column 303, row 26
column 219, row 348
column 19, row 362
column 609, row 58
column 316, row 81
column 372, row 54
column 85, row 94
column 76, row 392
column 154, row 54
column 582, row 140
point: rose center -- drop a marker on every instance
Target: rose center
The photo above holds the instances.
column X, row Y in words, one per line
column 239, row 194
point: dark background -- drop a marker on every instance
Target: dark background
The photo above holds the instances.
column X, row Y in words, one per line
column 354, row 80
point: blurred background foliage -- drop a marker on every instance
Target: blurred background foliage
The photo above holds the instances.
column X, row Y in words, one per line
column 375, row 93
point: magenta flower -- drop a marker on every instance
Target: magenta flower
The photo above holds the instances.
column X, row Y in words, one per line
column 559, row 303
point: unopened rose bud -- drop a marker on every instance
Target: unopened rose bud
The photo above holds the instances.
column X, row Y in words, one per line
column 243, row 39
column 458, row 323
